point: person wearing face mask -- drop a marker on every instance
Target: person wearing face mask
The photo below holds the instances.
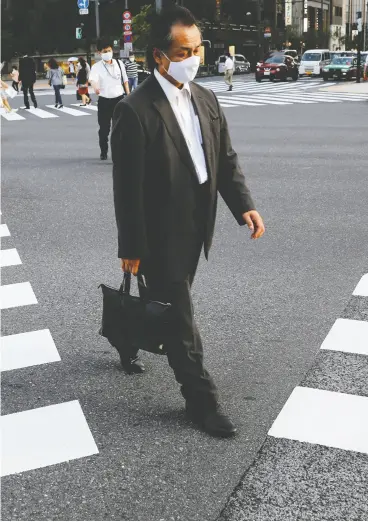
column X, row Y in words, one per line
column 171, row 155
column 132, row 72
column 109, row 80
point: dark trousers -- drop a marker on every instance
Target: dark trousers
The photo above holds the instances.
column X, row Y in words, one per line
column 58, row 100
column 184, row 347
column 106, row 108
column 28, row 87
column 15, row 85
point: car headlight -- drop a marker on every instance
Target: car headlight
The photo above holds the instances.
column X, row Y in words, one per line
column 344, row 70
column 278, row 69
column 258, row 69
column 325, row 70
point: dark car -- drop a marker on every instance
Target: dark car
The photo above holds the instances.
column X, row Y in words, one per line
column 277, row 67
column 341, row 68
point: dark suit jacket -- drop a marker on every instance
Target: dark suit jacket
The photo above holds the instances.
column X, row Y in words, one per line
column 153, row 176
column 27, row 71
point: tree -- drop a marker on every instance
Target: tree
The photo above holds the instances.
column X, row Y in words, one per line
column 142, row 26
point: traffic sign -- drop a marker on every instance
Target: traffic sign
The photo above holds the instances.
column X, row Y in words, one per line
column 127, row 33
column 128, row 38
column 127, row 27
column 83, row 4
column 127, row 15
column 83, row 11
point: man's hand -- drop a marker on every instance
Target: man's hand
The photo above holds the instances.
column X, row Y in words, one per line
column 97, row 91
column 130, row 265
column 255, row 223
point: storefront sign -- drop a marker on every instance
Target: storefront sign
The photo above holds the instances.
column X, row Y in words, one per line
column 288, row 12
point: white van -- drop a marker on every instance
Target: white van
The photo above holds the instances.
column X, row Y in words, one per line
column 313, row 61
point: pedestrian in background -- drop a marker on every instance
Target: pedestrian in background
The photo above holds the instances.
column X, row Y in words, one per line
column 15, row 78
column 55, row 76
column 82, row 83
column 172, row 154
column 4, row 93
column 27, row 78
column 71, row 70
column 131, row 67
column 229, row 71
column 109, row 79
column 81, row 62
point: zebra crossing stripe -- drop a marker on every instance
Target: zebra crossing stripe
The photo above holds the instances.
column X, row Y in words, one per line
column 227, row 105
column 261, row 97
column 18, row 294
column 12, row 116
column 332, row 419
column 9, row 257
column 4, row 231
column 40, row 113
column 362, row 287
column 27, row 349
column 349, row 336
column 327, row 98
column 45, row 436
column 295, row 98
column 343, row 96
column 89, row 107
column 239, row 102
column 68, row 110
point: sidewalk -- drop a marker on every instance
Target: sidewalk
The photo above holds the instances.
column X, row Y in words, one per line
column 353, row 88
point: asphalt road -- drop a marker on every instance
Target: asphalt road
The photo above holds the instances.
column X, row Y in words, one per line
column 263, row 308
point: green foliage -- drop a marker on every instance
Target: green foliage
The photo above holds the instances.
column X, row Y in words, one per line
column 141, row 26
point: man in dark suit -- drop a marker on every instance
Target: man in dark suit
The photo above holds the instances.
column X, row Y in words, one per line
column 27, row 77
column 172, row 154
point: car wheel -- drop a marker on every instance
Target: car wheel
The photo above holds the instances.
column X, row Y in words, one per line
column 258, row 80
column 325, row 78
column 295, row 77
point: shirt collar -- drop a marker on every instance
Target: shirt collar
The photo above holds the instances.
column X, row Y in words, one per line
column 172, row 92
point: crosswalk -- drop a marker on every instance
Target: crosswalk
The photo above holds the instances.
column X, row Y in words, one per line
column 42, row 436
column 328, row 417
column 290, row 93
column 52, row 112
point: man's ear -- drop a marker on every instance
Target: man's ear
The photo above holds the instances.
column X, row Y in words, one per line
column 157, row 56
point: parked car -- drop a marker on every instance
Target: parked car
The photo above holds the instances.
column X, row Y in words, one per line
column 313, row 61
column 341, row 68
column 241, row 64
column 277, row 67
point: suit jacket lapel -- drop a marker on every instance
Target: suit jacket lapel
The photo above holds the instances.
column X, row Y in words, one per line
column 204, row 117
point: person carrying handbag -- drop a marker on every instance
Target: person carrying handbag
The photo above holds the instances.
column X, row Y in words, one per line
column 82, row 84
column 109, row 80
column 55, row 75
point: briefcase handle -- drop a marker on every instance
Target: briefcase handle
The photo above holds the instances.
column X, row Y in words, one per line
column 142, row 285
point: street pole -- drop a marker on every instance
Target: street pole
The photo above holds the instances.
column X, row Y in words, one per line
column 158, row 5
column 321, row 30
column 97, row 13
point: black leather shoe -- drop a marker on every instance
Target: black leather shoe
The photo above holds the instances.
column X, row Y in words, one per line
column 103, row 156
column 212, row 422
column 132, row 365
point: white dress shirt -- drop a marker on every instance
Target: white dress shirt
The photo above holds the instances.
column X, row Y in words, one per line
column 181, row 103
column 229, row 64
column 108, row 78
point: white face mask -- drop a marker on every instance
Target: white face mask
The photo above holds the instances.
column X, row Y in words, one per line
column 184, row 71
column 107, row 56
column 131, row 58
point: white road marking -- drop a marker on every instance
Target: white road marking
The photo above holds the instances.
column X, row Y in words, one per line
column 328, row 97
column 263, row 98
column 27, row 349
column 42, row 114
column 12, row 116
column 332, row 419
column 239, row 102
column 68, row 110
column 46, row 436
column 347, row 335
column 9, row 257
column 4, row 231
column 227, row 105
column 362, row 287
column 19, row 294
column 89, row 107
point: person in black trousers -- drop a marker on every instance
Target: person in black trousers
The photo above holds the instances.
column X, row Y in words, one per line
column 109, row 80
column 172, row 155
column 27, row 78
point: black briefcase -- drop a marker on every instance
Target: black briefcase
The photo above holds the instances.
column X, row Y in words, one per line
column 130, row 321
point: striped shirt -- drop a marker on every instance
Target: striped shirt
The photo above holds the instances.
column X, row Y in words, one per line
column 131, row 69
